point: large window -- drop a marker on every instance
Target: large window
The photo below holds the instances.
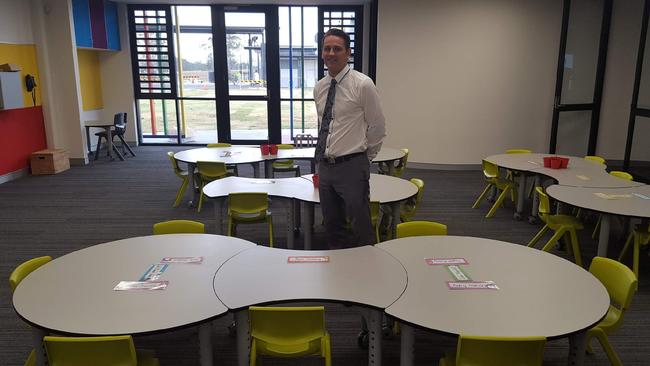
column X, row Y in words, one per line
column 215, row 73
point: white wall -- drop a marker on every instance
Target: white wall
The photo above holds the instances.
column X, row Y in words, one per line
column 15, row 22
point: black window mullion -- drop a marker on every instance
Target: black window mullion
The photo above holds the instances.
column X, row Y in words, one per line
column 221, row 72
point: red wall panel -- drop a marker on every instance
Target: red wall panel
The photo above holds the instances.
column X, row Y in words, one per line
column 22, row 131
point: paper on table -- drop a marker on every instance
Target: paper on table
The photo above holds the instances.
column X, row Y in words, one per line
column 154, row 272
column 642, row 196
column 445, row 261
column 458, row 273
column 191, row 260
column 308, row 259
column 612, row 196
column 141, row 285
column 582, row 177
column 472, row 285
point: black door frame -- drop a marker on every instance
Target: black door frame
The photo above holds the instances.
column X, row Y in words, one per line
column 594, row 107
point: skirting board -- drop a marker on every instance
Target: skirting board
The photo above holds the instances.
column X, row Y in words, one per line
column 14, row 175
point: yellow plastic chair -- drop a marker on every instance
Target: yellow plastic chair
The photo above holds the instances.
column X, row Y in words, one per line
column 285, row 165
column 640, row 236
column 617, row 174
column 502, row 351
column 182, row 174
column 289, row 332
column 17, row 275
column 249, row 208
column 565, row 226
column 384, row 167
column 511, row 174
column 518, row 151
column 96, row 351
column 375, row 214
column 178, row 227
column 621, row 284
column 410, row 207
column 595, row 158
column 491, row 173
column 232, row 168
column 208, row 171
column 420, row 228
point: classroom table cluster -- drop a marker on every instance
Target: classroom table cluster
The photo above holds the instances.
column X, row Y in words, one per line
column 419, row 277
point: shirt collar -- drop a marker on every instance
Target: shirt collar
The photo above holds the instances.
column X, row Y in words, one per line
column 340, row 75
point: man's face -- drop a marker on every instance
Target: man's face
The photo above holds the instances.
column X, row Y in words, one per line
column 335, row 55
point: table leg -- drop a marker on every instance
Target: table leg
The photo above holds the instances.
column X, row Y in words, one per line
column 307, row 224
column 395, row 210
column 243, row 337
column 109, row 142
column 374, row 337
column 88, row 147
column 603, row 238
column 267, row 168
column 407, row 345
column 205, row 344
column 190, row 175
column 391, row 169
column 297, row 215
column 291, row 217
column 521, row 196
column 37, row 344
column 218, row 215
column 577, row 348
column 256, row 170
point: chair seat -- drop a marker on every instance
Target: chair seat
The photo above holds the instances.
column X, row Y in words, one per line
column 257, row 216
column 611, row 318
column 555, row 221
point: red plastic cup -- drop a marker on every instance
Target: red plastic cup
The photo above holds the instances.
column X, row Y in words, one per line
column 556, row 163
column 564, row 163
column 315, row 180
column 273, row 149
column 547, row 161
column 265, row 149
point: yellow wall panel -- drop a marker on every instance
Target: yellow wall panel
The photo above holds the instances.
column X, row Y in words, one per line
column 90, row 79
column 23, row 55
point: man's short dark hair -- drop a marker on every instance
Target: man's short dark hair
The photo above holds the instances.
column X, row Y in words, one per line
column 338, row 33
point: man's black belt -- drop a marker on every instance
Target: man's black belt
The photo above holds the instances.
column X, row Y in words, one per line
column 340, row 159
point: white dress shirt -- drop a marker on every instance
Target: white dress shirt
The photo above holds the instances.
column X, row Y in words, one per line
column 358, row 123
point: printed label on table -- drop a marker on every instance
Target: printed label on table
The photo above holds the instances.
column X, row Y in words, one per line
column 612, row 196
column 582, row 177
column 642, row 196
column 458, row 273
column 472, row 285
column 190, row 260
column 226, row 154
column 309, row 259
column 154, row 272
column 141, row 285
column 445, row 261
column 533, row 162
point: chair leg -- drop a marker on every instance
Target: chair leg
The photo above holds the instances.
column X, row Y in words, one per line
column 549, row 244
column 99, row 145
column 230, row 225
column 635, row 255
column 124, row 144
column 575, row 245
column 253, row 354
column 538, row 236
column 611, row 354
column 480, row 198
column 626, row 246
column 270, row 219
column 594, row 234
column 200, row 197
column 181, row 192
column 498, row 202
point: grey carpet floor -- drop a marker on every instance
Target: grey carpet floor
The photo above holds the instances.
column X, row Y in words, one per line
column 110, row 200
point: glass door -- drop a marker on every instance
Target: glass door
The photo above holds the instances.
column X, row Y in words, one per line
column 249, row 101
column 580, row 74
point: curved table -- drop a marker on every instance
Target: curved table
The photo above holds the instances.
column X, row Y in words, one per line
column 537, row 295
column 383, row 188
column 74, row 294
column 364, row 275
column 629, row 202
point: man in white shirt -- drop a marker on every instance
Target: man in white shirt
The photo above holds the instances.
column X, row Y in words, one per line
column 351, row 130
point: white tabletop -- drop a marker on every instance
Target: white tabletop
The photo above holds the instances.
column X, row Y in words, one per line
column 383, row 188
column 539, row 294
column 74, row 293
column 363, row 275
column 388, row 154
column 631, row 201
column 535, row 161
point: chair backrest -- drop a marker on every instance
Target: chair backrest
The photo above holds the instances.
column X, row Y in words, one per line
column 595, row 158
column 490, row 170
column 248, row 202
column 502, row 351
column 544, row 203
column 518, row 151
column 420, row 228
column 211, row 169
column 621, row 174
column 285, row 146
column 178, row 227
column 287, row 325
column 618, row 279
column 401, row 164
column 25, row 268
column 172, row 159
column 410, row 206
column 119, row 123
column 219, row 144
column 97, row 351
column 304, row 140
